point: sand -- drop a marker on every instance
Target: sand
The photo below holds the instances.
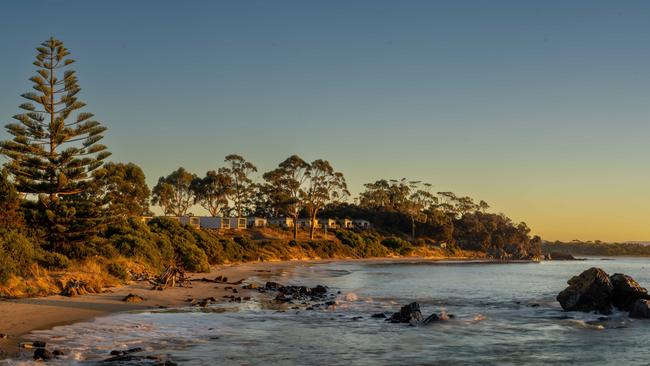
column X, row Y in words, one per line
column 19, row 317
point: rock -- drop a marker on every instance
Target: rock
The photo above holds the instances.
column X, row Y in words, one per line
column 626, row 291
column 431, row 318
column 58, row 352
column 3, row 336
column 272, row 286
column 39, row 344
column 250, row 286
column 319, row 289
column 133, row 298
column 590, row 291
column 408, row 314
column 42, row 354
column 640, row 309
column 378, row 316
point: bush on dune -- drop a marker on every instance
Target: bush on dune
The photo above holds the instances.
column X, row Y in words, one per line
column 398, row 245
column 186, row 250
column 133, row 239
column 17, row 254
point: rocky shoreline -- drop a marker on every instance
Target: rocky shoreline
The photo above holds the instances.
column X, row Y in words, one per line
column 595, row 291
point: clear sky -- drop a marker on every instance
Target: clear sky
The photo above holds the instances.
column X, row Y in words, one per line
column 540, row 108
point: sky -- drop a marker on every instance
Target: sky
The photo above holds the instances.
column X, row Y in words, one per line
column 539, row 108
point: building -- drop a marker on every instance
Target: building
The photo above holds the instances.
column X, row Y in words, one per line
column 361, row 224
column 256, row 221
column 214, row 222
column 306, row 223
column 346, row 224
column 238, row 223
column 284, row 222
column 193, row 221
column 328, row 223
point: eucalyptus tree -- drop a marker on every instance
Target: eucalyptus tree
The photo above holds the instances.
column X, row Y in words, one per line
column 55, row 148
column 287, row 187
column 174, row 192
column 325, row 186
column 212, row 191
column 243, row 188
column 123, row 189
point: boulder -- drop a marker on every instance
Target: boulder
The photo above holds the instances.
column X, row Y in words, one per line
column 408, row 314
column 590, row 291
column 640, row 309
column 42, row 354
column 133, row 298
column 626, row 291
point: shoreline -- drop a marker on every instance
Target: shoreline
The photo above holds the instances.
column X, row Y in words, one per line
column 19, row 317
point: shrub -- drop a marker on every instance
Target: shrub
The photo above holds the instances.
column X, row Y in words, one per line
column 186, row 250
column 366, row 244
column 17, row 254
column 51, row 260
column 398, row 245
column 118, row 270
column 133, row 239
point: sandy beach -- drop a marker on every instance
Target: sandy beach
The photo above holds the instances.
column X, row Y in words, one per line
column 20, row 316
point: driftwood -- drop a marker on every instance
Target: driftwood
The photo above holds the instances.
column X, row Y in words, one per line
column 170, row 277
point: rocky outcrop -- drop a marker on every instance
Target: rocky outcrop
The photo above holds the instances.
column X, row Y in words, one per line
column 640, row 309
column 412, row 315
column 590, row 291
column 408, row 314
column 595, row 291
column 626, row 291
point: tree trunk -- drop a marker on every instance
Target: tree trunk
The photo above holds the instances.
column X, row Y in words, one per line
column 312, row 229
column 413, row 228
column 295, row 228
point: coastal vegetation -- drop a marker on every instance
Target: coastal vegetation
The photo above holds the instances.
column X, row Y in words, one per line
column 597, row 248
column 71, row 219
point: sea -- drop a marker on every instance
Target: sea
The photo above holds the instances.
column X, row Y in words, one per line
column 498, row 314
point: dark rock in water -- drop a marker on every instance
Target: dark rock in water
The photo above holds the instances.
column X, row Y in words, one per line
column 58, row 352
column 39, row 344
column 272, row 286
column 379, row 316
column 408, row 314
column 640, row 309
column 319, row 289
column 42, row 354
column 431, row 318
column 133, row 298
column 590, row 291
column 330, row 303
column 626, row 291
